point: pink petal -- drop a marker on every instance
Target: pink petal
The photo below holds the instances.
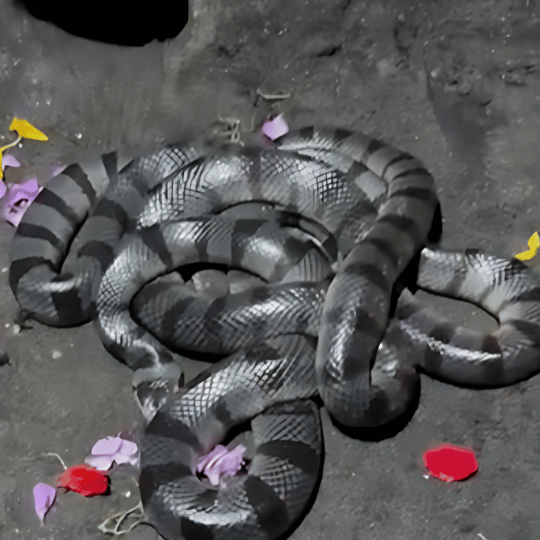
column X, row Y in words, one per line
column 3, row 189
column 44, row 496
column 107, row 446
column 275, row 128
column 9, row 161
column 101, row 463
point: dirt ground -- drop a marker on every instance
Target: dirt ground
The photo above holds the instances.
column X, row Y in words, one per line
column 454, row 83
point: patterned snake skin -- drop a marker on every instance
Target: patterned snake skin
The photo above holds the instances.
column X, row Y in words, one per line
column 315, row 231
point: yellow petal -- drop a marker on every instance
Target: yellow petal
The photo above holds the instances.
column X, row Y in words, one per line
column 1, row 171
column 534, row 244
column 27, row 130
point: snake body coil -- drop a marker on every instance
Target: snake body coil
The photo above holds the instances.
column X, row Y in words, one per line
column 321, row 225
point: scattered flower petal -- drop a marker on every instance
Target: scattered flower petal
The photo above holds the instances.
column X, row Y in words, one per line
column 9, row 161
column 275, row 128
column 27, row 130
column 108, row 445
column 101, row 463
column 84, row 479
column 450, row 463
column 112, row 449
column 221, row 463
column 17, row 199
column 534, row 244
column 44, row 496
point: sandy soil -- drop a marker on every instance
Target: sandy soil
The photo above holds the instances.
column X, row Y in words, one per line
column 454, row 83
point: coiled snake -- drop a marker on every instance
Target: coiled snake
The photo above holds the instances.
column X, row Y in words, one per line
column 321, row 223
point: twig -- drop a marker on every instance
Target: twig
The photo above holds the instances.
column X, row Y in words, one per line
column 61, row 460
column 273, row 96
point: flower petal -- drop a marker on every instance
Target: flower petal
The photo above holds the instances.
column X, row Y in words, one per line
column 449, row 463
column 134, row 460
column 44, row 496
column 30, row 186
column 84, row 479
column 128, row 448
column 107, row 446
column 204, row 461
column 101, row 463
column 113, row 449
column 275, row 128
column 231, row 463
column 221, row 463
column 119, row 459
column 3, row 189
column 10, row 161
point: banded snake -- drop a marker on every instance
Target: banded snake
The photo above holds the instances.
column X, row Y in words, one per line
column 315, row 230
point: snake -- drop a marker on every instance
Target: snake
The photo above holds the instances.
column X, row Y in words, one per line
column 314, row 233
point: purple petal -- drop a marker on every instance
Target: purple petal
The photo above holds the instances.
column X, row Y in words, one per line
column 102, row 463
column 221, row 463
column 3, row 189
column 15, row 204
column 44, row 496
column 275, row 128
column 213, row 475
column 107, row 446
column 9, row 161
column 127, row 448
column 14, row 215
column 232, row 462
column 111, row 449
column 203, row 461
column 30, row 186
column 57, row 170
column 16, row 195
column 120, row 459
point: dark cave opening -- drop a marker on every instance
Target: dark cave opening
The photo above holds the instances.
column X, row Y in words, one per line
column 115, row 21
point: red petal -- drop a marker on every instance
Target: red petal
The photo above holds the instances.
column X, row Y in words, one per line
column 84, row 479
column 449, row 463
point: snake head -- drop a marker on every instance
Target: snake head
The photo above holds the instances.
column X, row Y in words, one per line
column 153, row 394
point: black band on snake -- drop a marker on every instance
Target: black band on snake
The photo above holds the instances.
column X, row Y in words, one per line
column 315, row 231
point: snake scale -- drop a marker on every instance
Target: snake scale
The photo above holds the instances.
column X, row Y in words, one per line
column 315, row 230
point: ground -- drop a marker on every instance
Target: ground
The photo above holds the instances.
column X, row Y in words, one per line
column 453, row 83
